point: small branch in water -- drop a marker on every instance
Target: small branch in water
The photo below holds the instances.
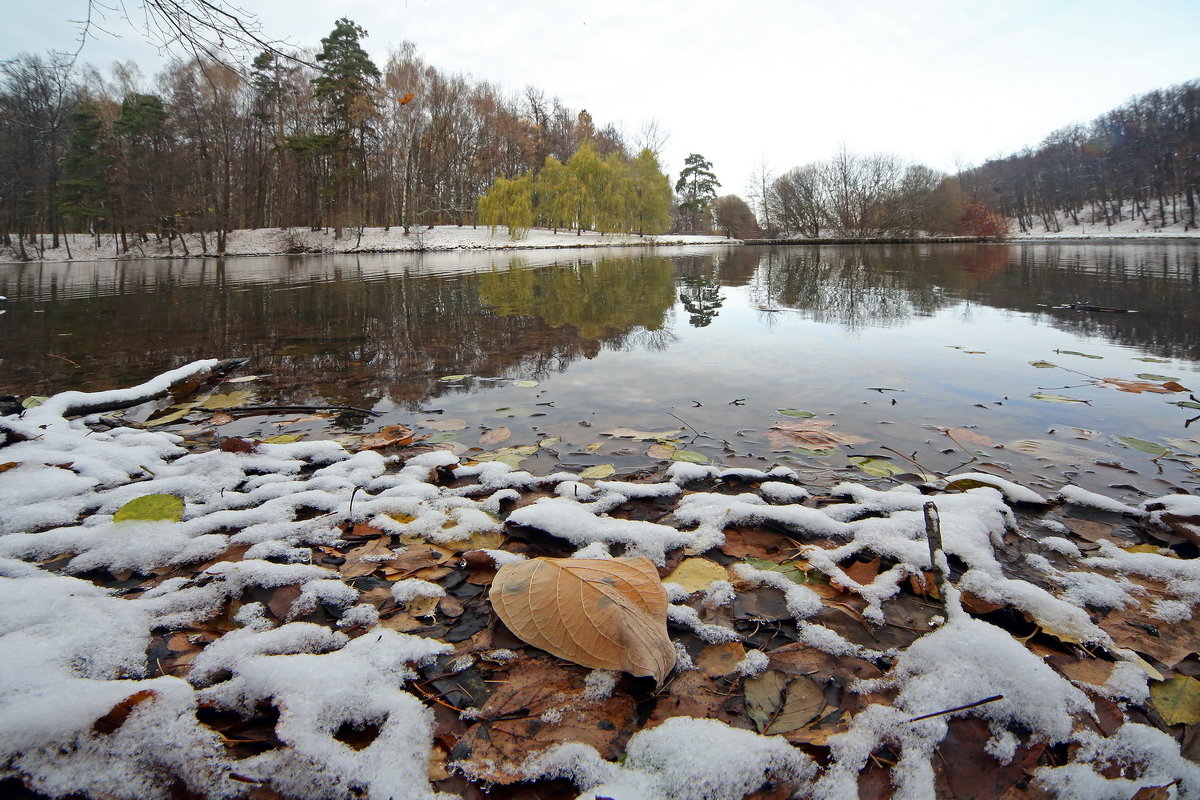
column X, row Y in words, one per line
column 911, row 460
column 685, row 422
column 984, row 701
column 289, row 409
column 64, row 358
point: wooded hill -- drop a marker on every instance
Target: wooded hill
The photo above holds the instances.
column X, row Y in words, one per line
column 1139, row 161
column 329, row 139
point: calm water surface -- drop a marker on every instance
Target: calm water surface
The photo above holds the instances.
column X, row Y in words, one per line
column 700, row 341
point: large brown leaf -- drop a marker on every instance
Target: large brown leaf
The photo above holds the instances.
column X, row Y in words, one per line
column 598, row 612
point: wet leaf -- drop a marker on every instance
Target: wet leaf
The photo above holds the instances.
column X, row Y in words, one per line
column 697, row 574
column 1077, row 353
column 1187, row 404
column 151, row 507
column 388, row 436
column 1150, row 376
column 642, row 436
column 1056, row 398
column 795, row 412
column 598, row 471
column 525, row 384
column 968, row 436
column 877, row 467
column 513, row 456
column 819, row 452
column 1184, row 445
column 1137, row 387
column 1177, row 700
column 1153, row 448
column 230, row 400
column 660, row 451
column 496, row 436
column 173, row 416
column 599, row 613
column 1042, row 364
column 33, row 401
column 452, row 424
column 1154, row 360
column 813, row 434
column 717, row 660
column 593, row 447
column 778, row 703
column 117, row 715
column 794, row 571
column 283, row 438
column 690, row 456
column 453, row 378
column 245, row 378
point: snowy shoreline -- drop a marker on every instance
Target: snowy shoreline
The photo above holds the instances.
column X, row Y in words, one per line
column 301, row 241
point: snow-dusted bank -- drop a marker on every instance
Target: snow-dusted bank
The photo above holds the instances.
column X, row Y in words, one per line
column 81, row 711
column 274, row 241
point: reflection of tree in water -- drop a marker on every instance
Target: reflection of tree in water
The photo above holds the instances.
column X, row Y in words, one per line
column 702, row 300
column 344, row 338
column 701, row 277
column 885, row 286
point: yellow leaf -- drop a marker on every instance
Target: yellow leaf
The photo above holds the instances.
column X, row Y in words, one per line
column 697, row 574
column 230, row 400
column 1177, row 700
column 603, row 613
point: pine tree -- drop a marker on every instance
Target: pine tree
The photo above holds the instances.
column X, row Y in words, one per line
column 697, row 188
column 345, row 87
column 86, row 189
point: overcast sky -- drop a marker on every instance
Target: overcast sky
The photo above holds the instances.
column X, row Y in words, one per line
column 785, row 82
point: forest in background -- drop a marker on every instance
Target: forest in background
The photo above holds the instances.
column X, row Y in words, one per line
column 328, row 139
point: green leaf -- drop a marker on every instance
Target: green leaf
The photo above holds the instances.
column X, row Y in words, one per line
column 876, row 467
column 1077, row 353
column 820, row 452
column 1042, row 364
column 1056, row 398
column 1177, row 700
column 690, row 456
column 1186, row 404
column 1154, row 360
column 443, row 436
column 1150, row 376
column 453, row 378
column 1153, row 448
column 795, row 412
column 283, row 438
column 599, row 471
column 525, row 384
column 790, row 570
column 151, row 507
column 33, row 401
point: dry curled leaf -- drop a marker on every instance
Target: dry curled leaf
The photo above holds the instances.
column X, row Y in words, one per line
column 600, row 613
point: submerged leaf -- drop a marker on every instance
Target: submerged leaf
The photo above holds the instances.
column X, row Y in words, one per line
column 1042, row 364
column 690, row 456
column 1150, row 376
column 283, row 438
column 598, row 471
column 599, row 613
column 796, row 412
column 1153, row 448
column 660, row 451
column 1154, row 360
column 525, row 384
column 230, row 400
column 876, row 467
column 1077, row 353
column 453, row 378
column 151, row 507
column 642, row 436
column 1057, row 398
column 496, row 436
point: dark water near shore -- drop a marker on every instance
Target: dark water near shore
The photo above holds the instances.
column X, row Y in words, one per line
column 710, row 341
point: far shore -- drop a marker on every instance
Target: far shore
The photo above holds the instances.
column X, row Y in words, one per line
column 302, row 241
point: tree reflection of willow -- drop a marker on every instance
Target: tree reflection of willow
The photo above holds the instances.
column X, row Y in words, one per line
column 598, row 298
column 701, row 277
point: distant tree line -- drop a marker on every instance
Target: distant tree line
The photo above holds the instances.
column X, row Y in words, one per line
column 1140, row 161
column 864, row 196
column 330, row 140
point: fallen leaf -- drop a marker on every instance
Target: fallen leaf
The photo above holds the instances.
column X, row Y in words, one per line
column 796, row 412
column 598, row 471
column 1177, row 700
column 1150, row 376
column 778, row 703
column 877, row 467
column 1042, row 364
column 388, row 436
column 1153, row 448
column 366, row 559
column 968, row 436
column 230, row 400
column 718, row 660
column 496, row 436
column 152, row 508
column 453, row 378
column 1056, row 398
column 283, row 438
column 690, row 456
column 642, row 436
column 1077, row 353
column 697, row 574
column 660, row 451
column 812, row 433
column 1137, row 387
column 116, row 717
column 513, row 456
column 452, row 424
column 600, row 613
column 524, row 384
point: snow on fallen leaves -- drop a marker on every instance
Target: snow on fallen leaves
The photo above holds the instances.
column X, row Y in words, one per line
column 293, row 620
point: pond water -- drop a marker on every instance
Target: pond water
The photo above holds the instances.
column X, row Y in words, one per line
column 887, row 347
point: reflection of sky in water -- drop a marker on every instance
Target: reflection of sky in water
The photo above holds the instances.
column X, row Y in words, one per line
column 379, row 330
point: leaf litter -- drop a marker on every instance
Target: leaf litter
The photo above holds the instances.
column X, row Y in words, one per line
column 318, row 621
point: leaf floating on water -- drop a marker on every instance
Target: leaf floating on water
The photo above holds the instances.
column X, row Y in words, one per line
column 525, row 384
column 283, row 438
column 230, row 400
column 1076, row 353
column 599, row 613
column 813, row 434
column 593, row 447
column 1057, row 398
column 1186, row 404
column 778, row 703
column 1154, row 360
column 697, row 574
column 1150, row 376
column 1177, row 700
column 876, row 467
column 1137, row 387
column 173, row 416
column 452, row 424
column 151, row 508
column 642, row 436
column 690, row 456
column 1153, row 448
column 453, row 378
column 1042, row 364
column 496, row 436
column 598, row 472
column 513, row 456
column 245, row 378
column 388, row 436
column 796, row 412
column 660, row 451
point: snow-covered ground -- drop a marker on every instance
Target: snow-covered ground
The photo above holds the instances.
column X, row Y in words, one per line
column 270, row 241
column 1137, row 228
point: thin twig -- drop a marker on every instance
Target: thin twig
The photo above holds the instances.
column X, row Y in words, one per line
column 64, row 358
column 685, row 422
column 984, row 701
column 289, row 409
column 910, row 459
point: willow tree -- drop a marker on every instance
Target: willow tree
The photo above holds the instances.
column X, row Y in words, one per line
column 346, row 88
column 554, row 191
column 590, row 172
column 650, row 204
column 508, row 203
